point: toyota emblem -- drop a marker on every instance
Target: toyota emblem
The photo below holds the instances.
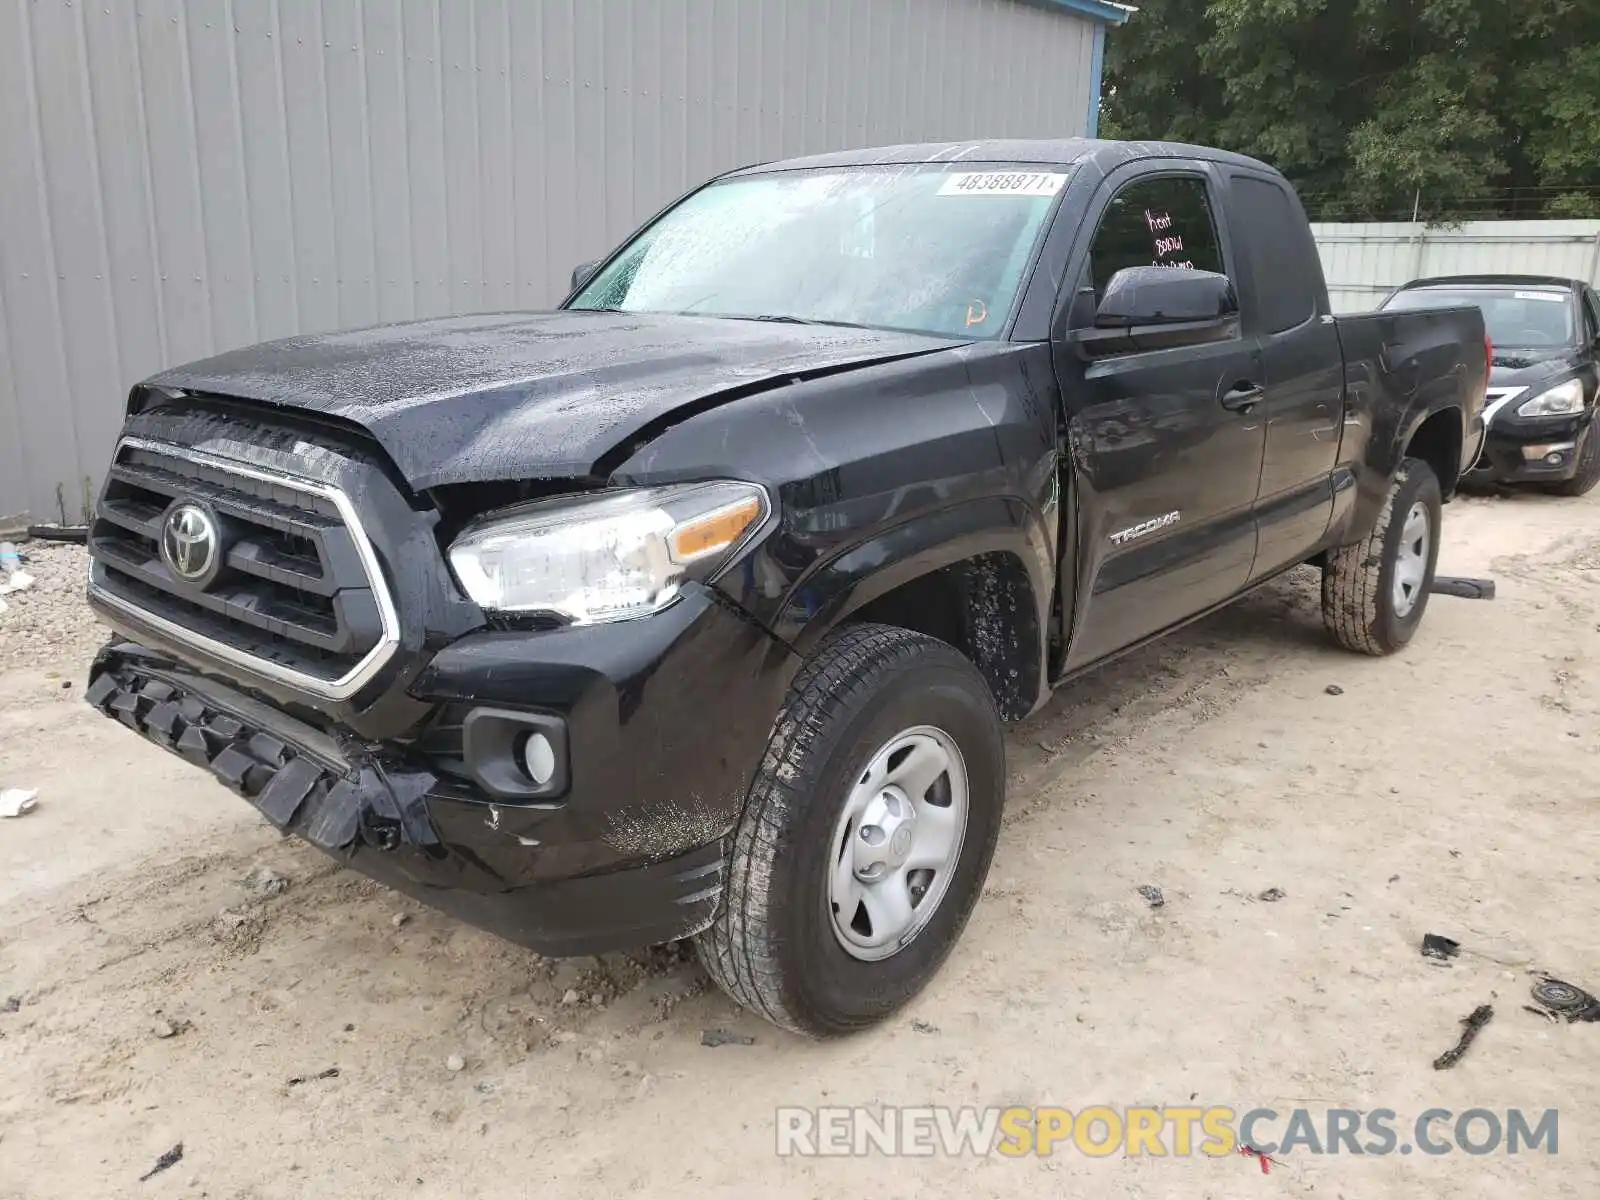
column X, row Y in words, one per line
column 190, row 543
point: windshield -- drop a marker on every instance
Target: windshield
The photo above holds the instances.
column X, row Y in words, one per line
column 1524, row 318
column 919, row 248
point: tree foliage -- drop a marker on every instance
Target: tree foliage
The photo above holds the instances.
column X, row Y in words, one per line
column 1470, row 108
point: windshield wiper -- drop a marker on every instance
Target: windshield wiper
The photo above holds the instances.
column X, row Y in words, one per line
column 790, row 319
column 776, row 318
column 772, row 318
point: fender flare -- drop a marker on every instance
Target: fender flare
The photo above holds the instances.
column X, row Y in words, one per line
column 847, row 581
column 1377, row 470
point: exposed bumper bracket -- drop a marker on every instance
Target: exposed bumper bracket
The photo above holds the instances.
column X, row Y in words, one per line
column 300, row 792
column 371, row 812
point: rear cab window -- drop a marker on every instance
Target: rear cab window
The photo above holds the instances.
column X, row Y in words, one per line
column 1280, row 274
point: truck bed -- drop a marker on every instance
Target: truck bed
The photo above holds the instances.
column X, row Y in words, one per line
column 1397, row 363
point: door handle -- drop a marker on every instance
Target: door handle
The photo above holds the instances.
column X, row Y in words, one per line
column 1242, row 397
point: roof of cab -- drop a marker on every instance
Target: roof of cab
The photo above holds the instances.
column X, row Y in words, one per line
column 1053, row 152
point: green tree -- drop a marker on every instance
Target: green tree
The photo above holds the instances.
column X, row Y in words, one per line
column 1480, row 108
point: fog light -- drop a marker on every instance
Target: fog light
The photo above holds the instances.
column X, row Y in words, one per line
column 517, row 756
column 1552, row 453
column 539, row 758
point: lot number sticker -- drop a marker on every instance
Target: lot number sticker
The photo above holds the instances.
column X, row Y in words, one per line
column 1547, row 296
column 1002, row 183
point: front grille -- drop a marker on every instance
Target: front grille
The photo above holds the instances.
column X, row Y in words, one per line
column 1497, row 398
column 297, row 594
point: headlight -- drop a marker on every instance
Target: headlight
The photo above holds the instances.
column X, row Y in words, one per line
column 606, row 557
column 1561, row 400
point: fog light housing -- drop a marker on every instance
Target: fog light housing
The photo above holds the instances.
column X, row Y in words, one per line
column 1550, row 453
column 516, row 756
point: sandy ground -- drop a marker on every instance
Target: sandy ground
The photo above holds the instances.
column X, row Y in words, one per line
column 1453, row 789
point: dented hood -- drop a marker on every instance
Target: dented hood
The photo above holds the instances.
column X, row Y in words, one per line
column 1532, row 368
column 529, row 395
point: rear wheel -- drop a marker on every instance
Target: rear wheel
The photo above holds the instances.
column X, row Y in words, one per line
column 1587, row 474
column 1375, row 592
column 866, row 837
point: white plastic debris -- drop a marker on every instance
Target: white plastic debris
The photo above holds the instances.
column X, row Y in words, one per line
column 14, row 802
column 20, row 581
column 12, row 577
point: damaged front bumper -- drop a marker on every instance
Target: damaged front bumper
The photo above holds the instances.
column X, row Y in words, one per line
column 661, row 729
column 1531, row 450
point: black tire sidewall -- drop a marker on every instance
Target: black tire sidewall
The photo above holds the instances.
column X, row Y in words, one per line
column 1586, row 474
column 1420, row 483
column 834, row 989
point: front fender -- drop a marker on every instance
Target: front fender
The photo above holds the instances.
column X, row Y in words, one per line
column 999, row 568
column 884, row 476
column 840, row 586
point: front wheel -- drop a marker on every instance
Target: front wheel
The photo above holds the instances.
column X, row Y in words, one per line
column 1587, row 474
column 866, row 836
column 1375, row 591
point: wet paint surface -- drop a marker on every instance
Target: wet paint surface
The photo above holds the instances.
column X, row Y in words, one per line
column 522, row 395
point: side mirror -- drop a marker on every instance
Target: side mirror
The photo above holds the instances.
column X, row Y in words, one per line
column 582, row 273
column 1139, row 296
column 1157, row 308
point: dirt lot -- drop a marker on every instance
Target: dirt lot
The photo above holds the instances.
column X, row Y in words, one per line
column 165, row 998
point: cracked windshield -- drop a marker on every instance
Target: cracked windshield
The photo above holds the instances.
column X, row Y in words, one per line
column 926, row 249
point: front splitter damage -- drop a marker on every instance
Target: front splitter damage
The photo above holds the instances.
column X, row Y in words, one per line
column 371, row 811
column 370, row 805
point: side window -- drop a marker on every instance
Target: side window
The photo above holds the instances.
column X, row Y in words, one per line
column 1162, row 222
column 1279, row 265
column 1591, row 315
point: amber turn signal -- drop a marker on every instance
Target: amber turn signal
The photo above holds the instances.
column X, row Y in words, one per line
column 714, row 532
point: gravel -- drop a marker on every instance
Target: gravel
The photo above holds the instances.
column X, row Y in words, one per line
column 50, row 624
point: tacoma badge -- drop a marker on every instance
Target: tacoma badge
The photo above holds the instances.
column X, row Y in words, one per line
column 1124, row 536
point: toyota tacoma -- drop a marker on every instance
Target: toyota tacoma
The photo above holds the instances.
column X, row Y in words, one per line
column 695, row 608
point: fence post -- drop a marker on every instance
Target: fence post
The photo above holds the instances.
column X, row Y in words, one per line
column 1419, row 237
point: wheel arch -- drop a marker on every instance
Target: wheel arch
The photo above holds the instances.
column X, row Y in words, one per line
column 1437, row 439
column 985, row 591
column 1431, row 435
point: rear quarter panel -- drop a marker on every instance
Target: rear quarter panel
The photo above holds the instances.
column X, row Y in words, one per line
column 1400, row 369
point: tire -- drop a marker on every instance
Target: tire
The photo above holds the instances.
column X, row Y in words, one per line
column 774, row 946
column 1359, row 603
column 1587, row 474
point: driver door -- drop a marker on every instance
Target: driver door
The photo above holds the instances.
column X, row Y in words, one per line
column 1161, row 445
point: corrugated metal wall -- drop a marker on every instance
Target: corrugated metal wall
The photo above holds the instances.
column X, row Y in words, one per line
column 178, row 177
column 1363, row 262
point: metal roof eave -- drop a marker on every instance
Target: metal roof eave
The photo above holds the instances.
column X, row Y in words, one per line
column 1103, row 12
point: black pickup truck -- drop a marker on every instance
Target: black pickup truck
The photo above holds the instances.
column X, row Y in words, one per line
column 694, row 608
column 1544, row 386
